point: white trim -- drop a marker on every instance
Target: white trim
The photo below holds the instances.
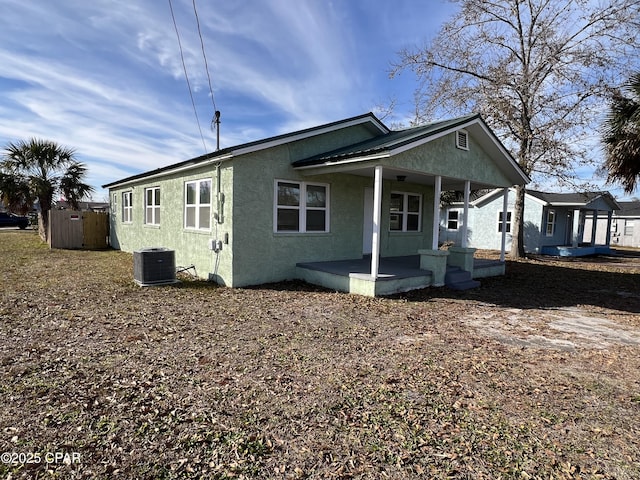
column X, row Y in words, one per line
column 459, row 135
column 128, row 209
column 458, row 220
column 465, row 213
column 170, row 171
column 503, row 237
column 435, row 226
column 310, row 133
column 377, row 215
column 421, row 141
column 405, row 211
column 197, row 206
column 553, row 223
column 507, row 219
column 153, row 207
column 302, row 207
column 378, row 156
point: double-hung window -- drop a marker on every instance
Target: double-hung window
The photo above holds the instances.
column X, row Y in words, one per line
column 301, row 207
column 508, row 222
column 453, row 219
column 127, row 207
column 152, row 206
column 628, row 228
column 405, row 212
column 197, row 205
column 551, row 223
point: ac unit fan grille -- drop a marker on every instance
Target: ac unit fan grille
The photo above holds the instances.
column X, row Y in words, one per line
column 154, row 266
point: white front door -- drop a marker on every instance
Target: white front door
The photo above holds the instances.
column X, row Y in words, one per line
column 367, row 226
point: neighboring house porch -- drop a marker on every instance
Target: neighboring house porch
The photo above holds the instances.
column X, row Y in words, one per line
column 625, row 225
column 560, row 224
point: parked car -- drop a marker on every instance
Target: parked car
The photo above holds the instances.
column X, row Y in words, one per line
column 11, row 220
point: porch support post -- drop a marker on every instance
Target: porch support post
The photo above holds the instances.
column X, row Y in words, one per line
column 465, row 213
column 437, row 190
column 576, row 229
column 377, row 214
column 594, row 223
column 608, row 233
column 505, row 206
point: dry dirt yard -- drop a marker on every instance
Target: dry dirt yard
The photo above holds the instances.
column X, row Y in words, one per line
column 534, row 375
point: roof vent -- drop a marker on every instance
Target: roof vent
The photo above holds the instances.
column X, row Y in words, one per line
column 154, row 266
column 462, row 139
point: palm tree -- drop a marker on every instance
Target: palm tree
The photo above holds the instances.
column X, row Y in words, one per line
column 38, row 170
column 622, row 137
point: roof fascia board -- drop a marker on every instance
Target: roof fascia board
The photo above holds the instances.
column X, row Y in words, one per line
column 474, row 121
column 533, row 198
column 502, row 149
column 311, row 133
column 169, row 171
column 485, row 197
column 377, row 156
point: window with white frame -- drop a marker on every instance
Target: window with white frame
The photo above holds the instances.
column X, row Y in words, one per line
column 551, row 223
column 127, row 207
column 114, row 206
column 197, row 204
column 301, row 207
column 405, row 212
column 152, row 206
column 628, row 227
column 508, row 222
column 453, row 219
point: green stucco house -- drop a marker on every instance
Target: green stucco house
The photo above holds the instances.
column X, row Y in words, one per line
column 350, row 205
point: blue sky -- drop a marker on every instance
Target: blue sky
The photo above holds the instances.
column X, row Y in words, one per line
column 105, row 77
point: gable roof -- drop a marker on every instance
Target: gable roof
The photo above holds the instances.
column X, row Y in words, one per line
column 369, row 120
column 395, row 142
column 629, row 209
column 579, row 199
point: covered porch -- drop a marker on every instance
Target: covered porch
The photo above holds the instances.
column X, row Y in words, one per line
column 585, row 235
column 408, row 171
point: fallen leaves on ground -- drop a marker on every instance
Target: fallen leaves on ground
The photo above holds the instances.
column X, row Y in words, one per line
column 293, row 381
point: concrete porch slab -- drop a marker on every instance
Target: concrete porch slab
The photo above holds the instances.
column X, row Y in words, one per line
column 395, row 274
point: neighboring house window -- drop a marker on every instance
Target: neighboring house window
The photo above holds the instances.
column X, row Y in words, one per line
column 127, row 208
column 462, row 139
column 197, row 204
column 453, row 219
column 152, row 206
column 551, row 223
column 301, row 207
column 628, row 227
column 405, row 212
column 508, row 225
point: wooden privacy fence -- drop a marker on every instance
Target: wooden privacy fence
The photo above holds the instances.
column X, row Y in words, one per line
column 72, row 229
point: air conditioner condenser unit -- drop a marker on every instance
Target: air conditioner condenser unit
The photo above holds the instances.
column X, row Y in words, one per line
column 154, row 266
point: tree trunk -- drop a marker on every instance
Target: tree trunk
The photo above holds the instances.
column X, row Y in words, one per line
column 43, row 225
column 517, row 225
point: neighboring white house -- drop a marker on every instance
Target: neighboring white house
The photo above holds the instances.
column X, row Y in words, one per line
column 625, row 225
column 554, row 223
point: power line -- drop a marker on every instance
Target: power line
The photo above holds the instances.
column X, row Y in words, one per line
column 184, row 68
column 204, row 55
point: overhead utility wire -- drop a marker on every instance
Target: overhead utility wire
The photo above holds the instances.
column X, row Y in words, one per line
column 184, row 67
column 204, row 55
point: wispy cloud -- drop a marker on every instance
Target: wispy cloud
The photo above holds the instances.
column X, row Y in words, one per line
column 106, row 78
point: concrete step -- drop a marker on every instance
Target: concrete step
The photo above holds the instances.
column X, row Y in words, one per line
column 458, row 279
column 468, row 285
